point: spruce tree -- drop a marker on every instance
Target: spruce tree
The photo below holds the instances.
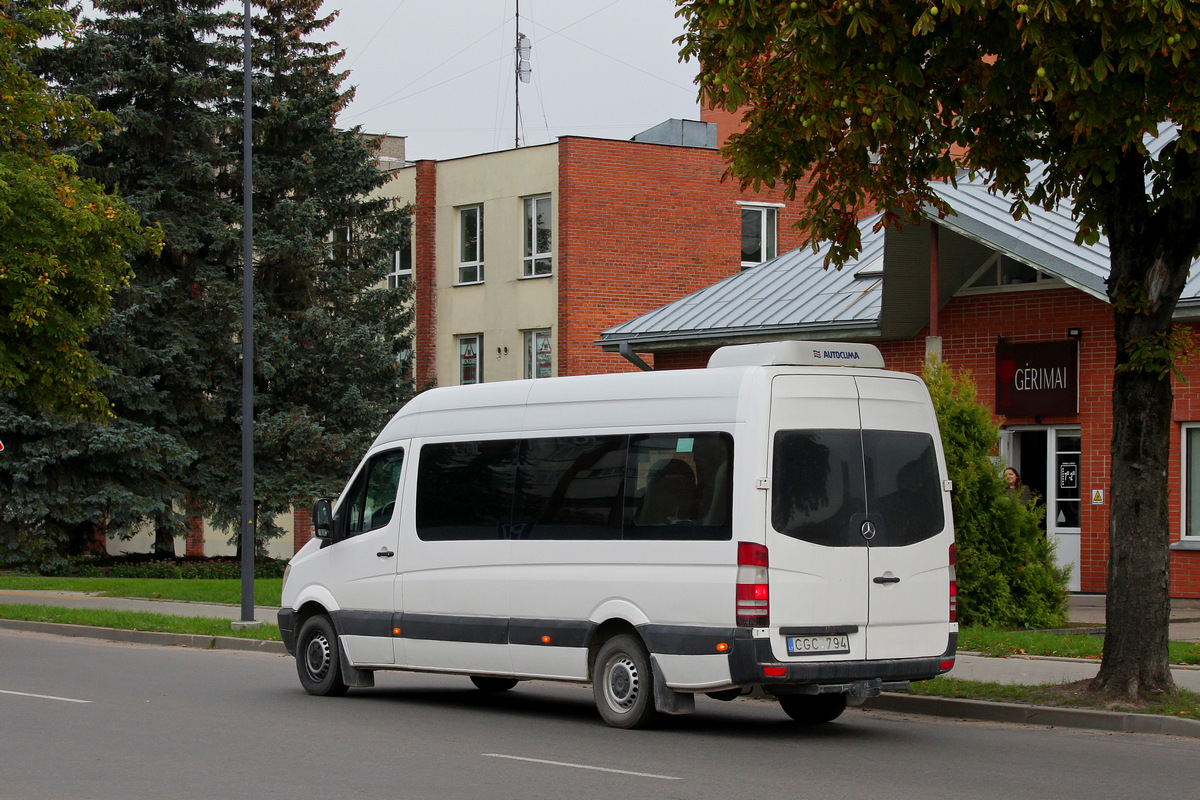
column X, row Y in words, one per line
column 164, row 69
column 328, row 330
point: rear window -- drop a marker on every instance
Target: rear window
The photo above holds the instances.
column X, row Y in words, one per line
column 827, row 483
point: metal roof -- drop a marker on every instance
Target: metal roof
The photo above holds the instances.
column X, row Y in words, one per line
column 795, row 294
column 792, row 293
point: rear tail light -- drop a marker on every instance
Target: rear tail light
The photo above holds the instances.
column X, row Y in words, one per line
column 753, row 605
column 953, row 586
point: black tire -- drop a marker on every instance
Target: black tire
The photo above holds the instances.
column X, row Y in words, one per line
column 487, row 683
column 623, row 683
column 813, row 709
column 318, row 658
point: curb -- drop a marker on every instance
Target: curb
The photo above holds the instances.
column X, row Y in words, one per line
column 989, row 711
column 196, row 641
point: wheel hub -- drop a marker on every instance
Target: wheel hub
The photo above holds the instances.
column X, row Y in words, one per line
column 623, row 683
column 317, row 657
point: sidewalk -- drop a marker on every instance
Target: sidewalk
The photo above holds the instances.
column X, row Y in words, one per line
column 1083, row 609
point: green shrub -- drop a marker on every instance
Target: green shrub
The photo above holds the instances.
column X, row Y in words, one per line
column 1007, row 576
column 144, row 566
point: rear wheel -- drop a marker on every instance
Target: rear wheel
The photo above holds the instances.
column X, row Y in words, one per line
column 487, row 683
column 318, row 659
column 623, row 684
column 812, row 709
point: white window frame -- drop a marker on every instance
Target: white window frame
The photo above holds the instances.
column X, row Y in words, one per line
column 470, row 270
column 768, row 229
column 463, row 342
column 995, row 265
column 532, row 341
column 536, row 263
column 341, row 239
column 402, row 266
column 1189, row 489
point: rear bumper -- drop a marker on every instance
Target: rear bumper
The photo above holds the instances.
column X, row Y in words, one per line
column 749, row 657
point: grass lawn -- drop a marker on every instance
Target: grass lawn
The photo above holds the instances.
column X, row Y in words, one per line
column 136, row 621
column 200, row 590
column 1185, row 704
column 992, row 642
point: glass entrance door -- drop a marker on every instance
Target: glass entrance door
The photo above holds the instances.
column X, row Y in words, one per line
column 1063, row 499
column 1048, row 459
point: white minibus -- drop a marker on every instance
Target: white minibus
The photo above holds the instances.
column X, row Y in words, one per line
column 776, row 524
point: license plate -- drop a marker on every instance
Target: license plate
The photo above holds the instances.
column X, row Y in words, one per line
column 818, row 645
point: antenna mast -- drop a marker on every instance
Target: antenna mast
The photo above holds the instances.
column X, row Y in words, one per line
column 521, row 75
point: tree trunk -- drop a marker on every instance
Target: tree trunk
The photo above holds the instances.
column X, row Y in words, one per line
column 1151, row 249
column 1137, row 606
column 164, row 538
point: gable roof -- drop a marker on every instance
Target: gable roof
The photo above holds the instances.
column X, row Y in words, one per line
column 794, row 295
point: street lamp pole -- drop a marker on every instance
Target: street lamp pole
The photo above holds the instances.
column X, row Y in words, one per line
column 248, row 521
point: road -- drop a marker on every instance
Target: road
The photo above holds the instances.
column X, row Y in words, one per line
column 167, row 722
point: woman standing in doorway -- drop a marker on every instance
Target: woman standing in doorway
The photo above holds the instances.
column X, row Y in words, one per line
column 1015, row 487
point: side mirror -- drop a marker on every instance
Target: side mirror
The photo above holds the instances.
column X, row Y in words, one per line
column 322, row 520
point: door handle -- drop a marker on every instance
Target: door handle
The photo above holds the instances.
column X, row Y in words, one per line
column 385, row 553
column 882, row 579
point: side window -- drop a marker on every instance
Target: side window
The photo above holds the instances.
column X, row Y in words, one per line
column 465, row 490
column 570, row 487
column 679, row 486
column 371, row 499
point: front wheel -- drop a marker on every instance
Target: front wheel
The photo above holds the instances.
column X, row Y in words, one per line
column 318, row 660
column 812, row 709
column 623, row 683
column 487, row 683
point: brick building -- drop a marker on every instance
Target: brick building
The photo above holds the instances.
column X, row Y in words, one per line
column 522, row 257
column 1020, row 305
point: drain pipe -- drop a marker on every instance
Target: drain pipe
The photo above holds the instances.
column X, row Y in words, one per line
column 633, row 358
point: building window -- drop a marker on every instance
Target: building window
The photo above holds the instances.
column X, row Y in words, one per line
column 1191, row 482
column 539, row 250
column 1002, row 272
column 758, row 234
column 402, row 266
column 470, row 250
column 339, row 243
column 470, row 366
column 402, row 258
column 539, row 354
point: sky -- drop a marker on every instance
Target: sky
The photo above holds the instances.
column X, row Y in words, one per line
column 441, row 72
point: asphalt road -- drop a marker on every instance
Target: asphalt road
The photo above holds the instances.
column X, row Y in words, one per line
column 83, row 718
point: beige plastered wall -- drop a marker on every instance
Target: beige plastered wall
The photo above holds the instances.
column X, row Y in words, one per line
column 505, row 304
column 216, row 541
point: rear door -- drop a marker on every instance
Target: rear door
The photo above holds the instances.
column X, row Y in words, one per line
column 817, row 554
column 909, row 553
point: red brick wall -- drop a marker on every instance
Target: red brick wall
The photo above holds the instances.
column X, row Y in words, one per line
column 727, row 122
column 641, row 225
column 425, row 272
column 302, row 529
column 969, row 328
column 194, row 538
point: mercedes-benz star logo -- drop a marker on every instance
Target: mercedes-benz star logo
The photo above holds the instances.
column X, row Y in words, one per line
column 868, row 530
